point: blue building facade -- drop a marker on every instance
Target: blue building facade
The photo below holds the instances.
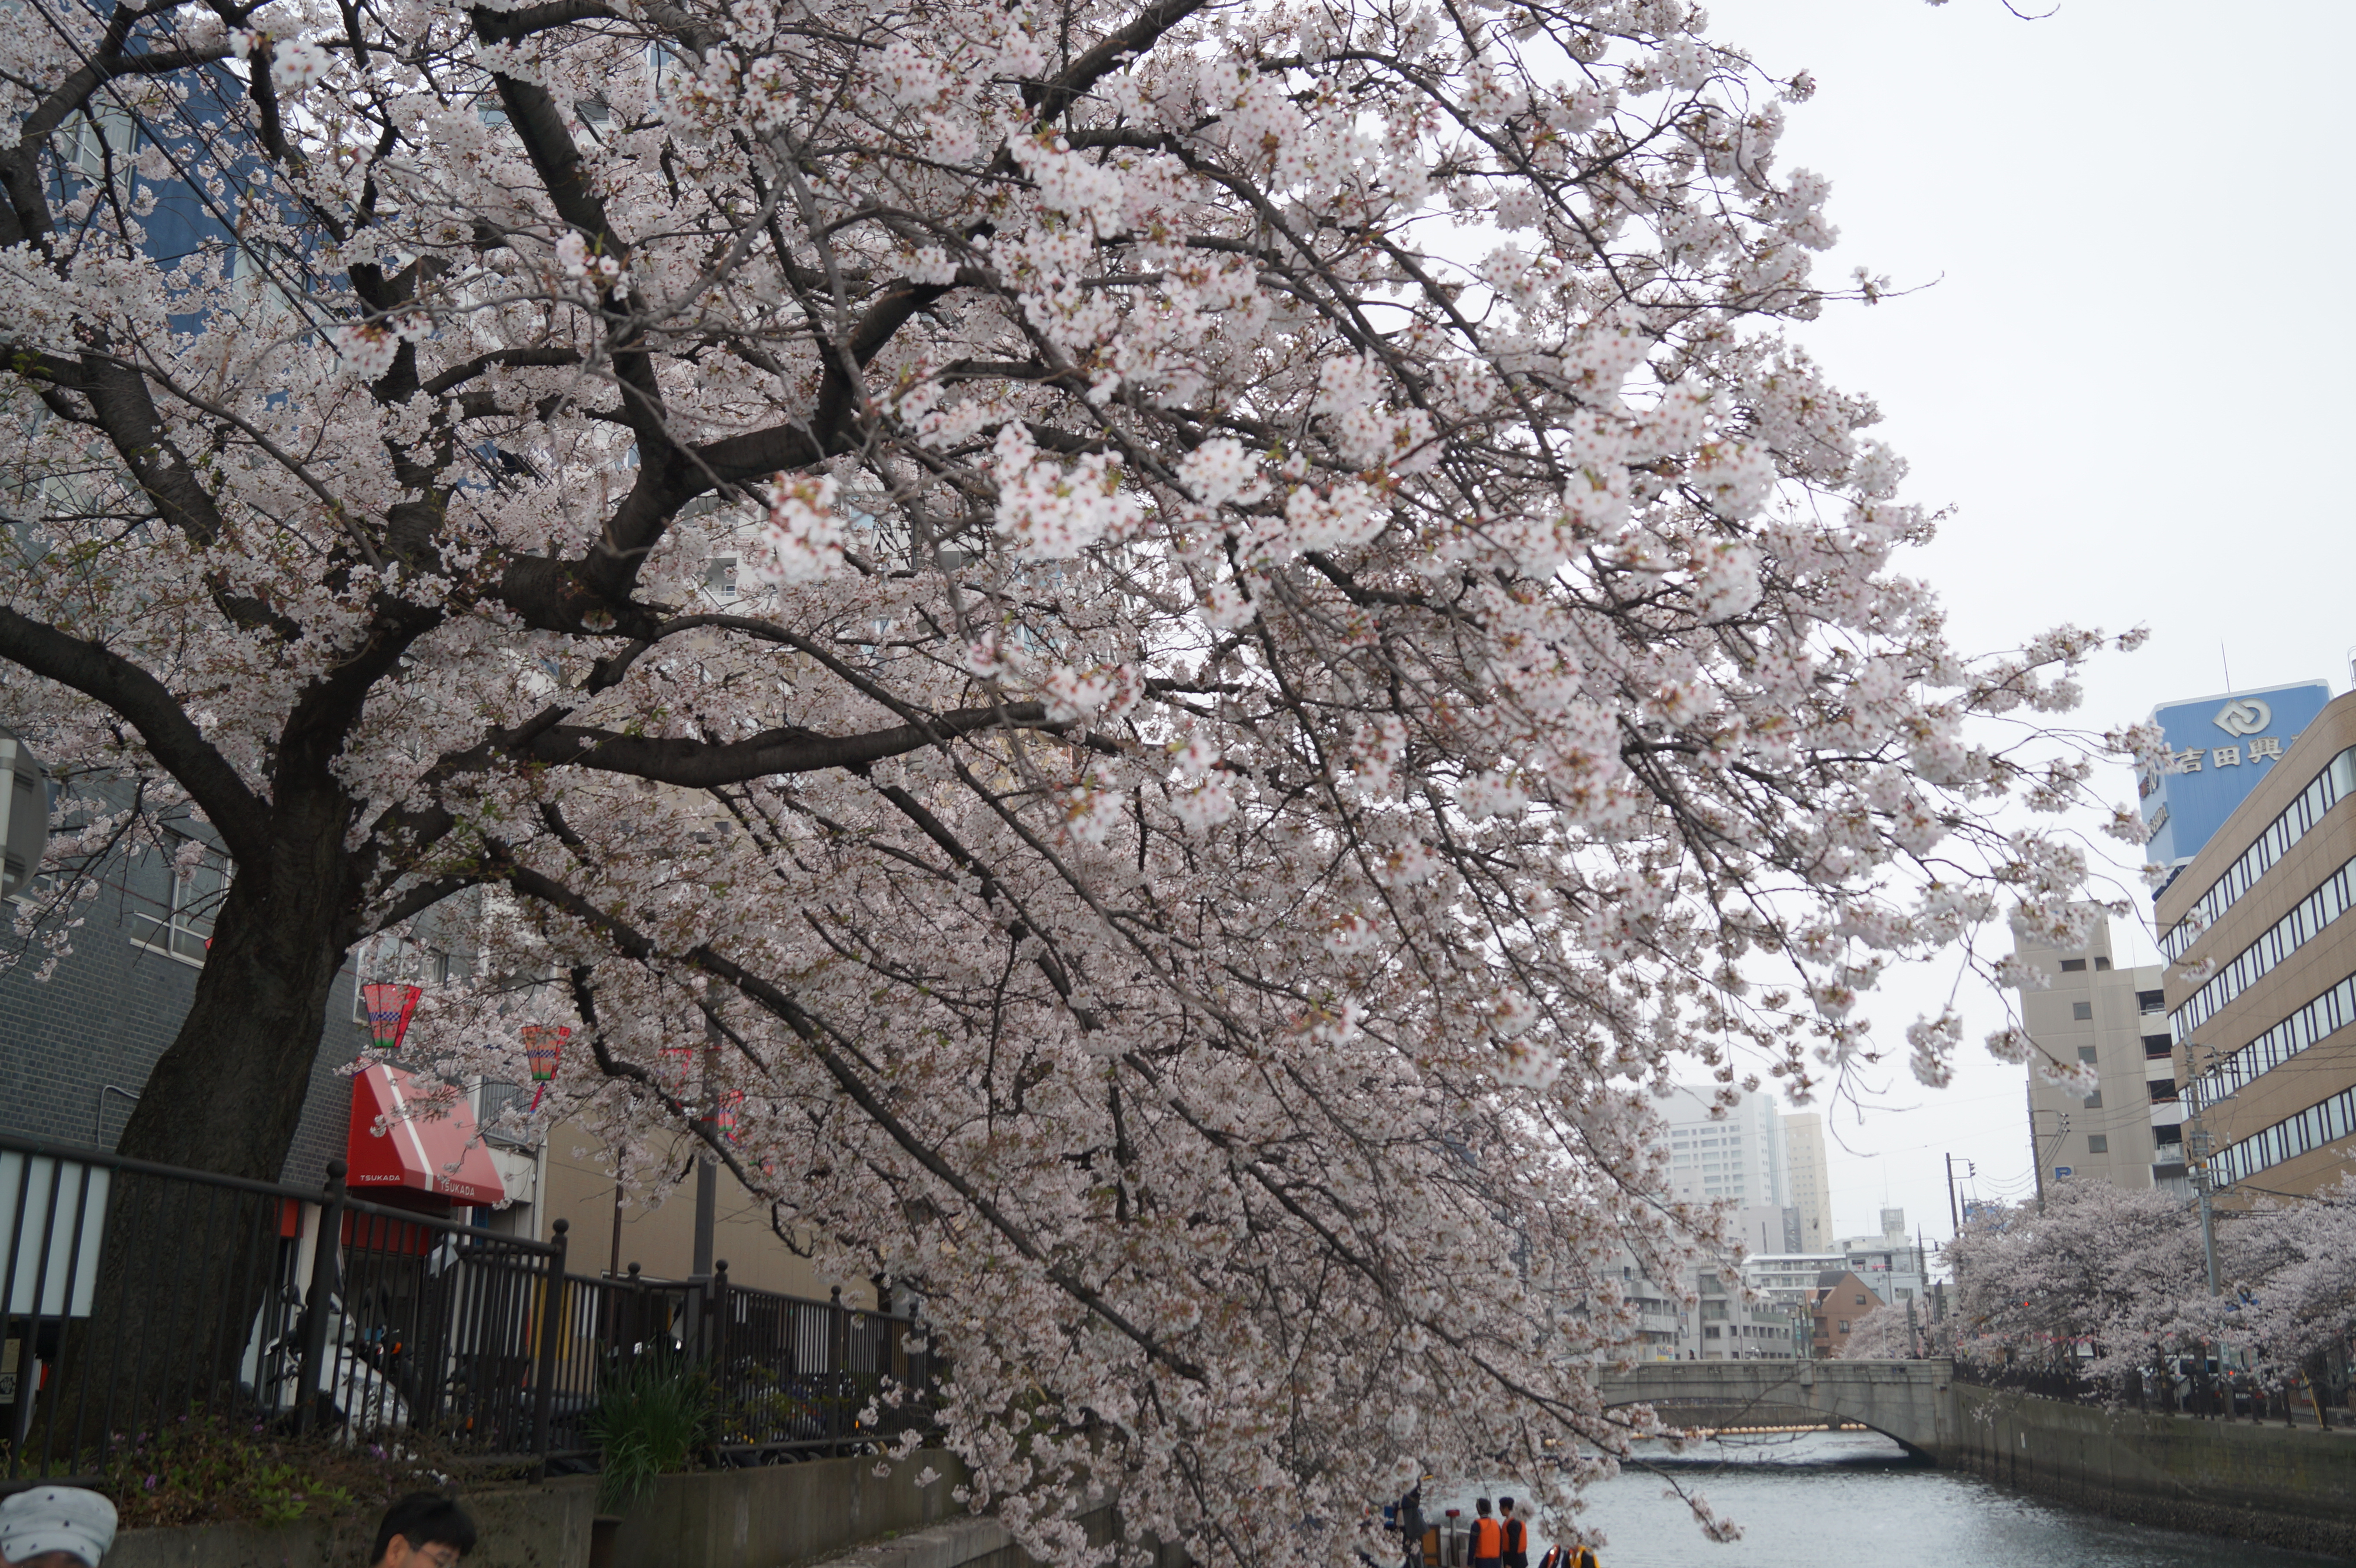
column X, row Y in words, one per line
column 2218, row 748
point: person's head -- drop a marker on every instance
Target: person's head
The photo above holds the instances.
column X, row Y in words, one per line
column 1504, row 1505
column 1481, row 1506
column 424, row 1529
column 55, row 1527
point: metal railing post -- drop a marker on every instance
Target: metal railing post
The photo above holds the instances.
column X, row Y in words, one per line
column 715, row 1345
column 715, row 1338
column 322, row 1289
column 551, row 1321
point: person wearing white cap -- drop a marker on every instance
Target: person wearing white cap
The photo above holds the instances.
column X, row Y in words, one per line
column 55, row 1527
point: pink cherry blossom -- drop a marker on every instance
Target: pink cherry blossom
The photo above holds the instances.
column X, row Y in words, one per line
column 1209, row 638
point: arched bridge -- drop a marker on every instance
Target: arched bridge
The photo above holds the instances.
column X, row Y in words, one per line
column 1913, row 1402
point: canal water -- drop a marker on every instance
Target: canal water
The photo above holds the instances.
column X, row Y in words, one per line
column 1805, row 1500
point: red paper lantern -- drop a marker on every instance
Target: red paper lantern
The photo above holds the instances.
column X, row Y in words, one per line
column 723, row 1115
column 389, row 1008
column 542, row 1044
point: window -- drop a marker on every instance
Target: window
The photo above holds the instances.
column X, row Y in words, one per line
column 1860, row 1301
column 180, row 921
column 1844, row 1325
column 2325, row 904
column 2157, row 1045
column 93, row 141
column 2323, row 792
column 2097, row 1143
column 2162, row 1089
column 2151, row 1001
column 2085, row 1053
column 2081, row 1011
column 398, row 958
column 2100, row 965
column 2073, row 966
column 2167, row 1135
column 2094, row 1101
column 720, row 577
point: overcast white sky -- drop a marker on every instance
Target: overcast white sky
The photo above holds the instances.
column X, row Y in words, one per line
column 2129, row 376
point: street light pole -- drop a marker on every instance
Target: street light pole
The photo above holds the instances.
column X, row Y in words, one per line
column 707, row 1169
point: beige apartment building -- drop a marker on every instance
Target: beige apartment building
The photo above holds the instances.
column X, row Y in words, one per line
column 2127, row 1131
column 2262, row 982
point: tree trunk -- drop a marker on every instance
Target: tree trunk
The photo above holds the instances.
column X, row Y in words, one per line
column 186, row 1269
column 227, row 1095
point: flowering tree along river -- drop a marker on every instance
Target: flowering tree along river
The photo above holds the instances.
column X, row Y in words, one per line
column 1299, row 639
column 2107, row 1285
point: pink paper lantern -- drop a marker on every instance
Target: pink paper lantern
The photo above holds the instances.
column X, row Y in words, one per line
column 542, row 1044
column 389, row 1009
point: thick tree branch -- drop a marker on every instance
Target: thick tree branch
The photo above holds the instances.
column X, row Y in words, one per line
column 699, row 765
column 240, row 815
column 1049, row 100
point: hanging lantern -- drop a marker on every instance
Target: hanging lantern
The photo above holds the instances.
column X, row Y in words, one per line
column 389, row 1008
column 723, row 1115
column 542, row 1044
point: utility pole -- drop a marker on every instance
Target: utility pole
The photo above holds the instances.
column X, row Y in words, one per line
column 1954, row 1218
column 2029, row 1092
column 2198, row 1150
column 2037, row 1158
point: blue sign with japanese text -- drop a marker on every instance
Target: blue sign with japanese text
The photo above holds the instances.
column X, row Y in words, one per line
column 2218, row 750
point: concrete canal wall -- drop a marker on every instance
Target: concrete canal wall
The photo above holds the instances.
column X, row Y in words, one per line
column 2291, row 1487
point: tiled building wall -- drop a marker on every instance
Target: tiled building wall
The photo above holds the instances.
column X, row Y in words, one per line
column 111, row 1008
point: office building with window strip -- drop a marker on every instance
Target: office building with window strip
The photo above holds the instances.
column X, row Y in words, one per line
column 2260, row 927
column 2127, row 1130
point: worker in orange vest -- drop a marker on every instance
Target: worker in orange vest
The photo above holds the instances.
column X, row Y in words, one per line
column 1572, row 1556
column 1484, row 1546
column 1517, row 1535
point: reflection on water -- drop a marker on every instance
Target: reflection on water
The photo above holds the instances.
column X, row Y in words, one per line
column 1805, row 1499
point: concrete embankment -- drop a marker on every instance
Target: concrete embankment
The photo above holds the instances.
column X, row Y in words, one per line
column 762, row 1517
column 2284, row 1486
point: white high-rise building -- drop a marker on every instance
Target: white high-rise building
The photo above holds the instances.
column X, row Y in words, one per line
column 1739, row 1158
column 1811, row 1182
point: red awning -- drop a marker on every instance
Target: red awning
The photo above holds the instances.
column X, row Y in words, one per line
column 403, row 1135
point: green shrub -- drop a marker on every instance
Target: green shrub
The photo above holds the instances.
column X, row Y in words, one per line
column 203, row 1468
column 653, row 1415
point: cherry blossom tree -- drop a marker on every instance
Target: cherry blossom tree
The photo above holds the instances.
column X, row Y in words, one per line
column 2107, row 1284
column 1207, row 638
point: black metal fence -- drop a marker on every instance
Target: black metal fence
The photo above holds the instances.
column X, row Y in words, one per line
column 790, row 1377
column 139, row 1295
